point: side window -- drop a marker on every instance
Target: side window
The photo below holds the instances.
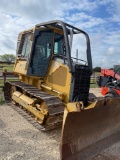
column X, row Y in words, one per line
column 58, row 44
column 56, row 48
column 26, row 46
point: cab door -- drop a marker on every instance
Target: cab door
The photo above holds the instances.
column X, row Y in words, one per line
column 41, row 53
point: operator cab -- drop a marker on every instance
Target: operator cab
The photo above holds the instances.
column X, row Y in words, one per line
column 54, row 40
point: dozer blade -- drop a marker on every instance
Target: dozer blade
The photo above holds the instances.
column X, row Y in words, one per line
column 85, row 134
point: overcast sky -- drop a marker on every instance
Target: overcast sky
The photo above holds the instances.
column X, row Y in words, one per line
column 99, row 18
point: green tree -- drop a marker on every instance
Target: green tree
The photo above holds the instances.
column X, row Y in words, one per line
column 7, row 57
column 97, row 69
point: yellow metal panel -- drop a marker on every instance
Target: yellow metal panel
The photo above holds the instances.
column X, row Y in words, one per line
column 23, row 97
column 75, row 106
column 20, row 67
column 17, row 93
column 54, row 66
column 27, row 99
column 58, row 76
column 66, row 79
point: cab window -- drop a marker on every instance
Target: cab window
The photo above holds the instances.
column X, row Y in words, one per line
column 26, row 46
column 58, row 44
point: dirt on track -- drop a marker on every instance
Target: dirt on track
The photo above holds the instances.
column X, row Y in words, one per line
column 19, row 140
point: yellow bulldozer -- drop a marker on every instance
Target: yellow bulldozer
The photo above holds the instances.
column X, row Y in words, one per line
column 54, row 87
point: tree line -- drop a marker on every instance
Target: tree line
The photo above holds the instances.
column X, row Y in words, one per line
column 7, row 58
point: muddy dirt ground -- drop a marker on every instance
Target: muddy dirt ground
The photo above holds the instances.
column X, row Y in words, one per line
column 19, row 140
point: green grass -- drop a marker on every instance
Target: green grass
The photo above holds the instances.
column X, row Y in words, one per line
column 7, row 79
column 5, row 64
column 93, row 83
column 1, row 82
column 9, row 67
column 97, row 73
column 1, row 89
column 93, row 80
column 93, row 86
column 1, row 100
column 1, row 97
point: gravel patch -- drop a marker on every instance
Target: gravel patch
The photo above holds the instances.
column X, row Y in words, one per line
column 20, row 140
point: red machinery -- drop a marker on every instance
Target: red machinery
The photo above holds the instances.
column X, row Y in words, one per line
column 109, row 81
